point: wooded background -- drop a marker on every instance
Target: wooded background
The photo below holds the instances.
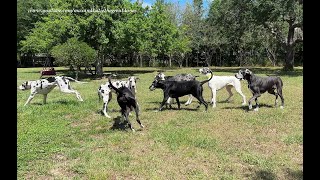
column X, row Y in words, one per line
column 227, row 33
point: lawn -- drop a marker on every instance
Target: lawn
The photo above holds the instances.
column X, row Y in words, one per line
column 69, row 139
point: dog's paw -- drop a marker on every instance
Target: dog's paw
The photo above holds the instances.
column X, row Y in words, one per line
column 250, row 107
column 256, row 109
column 133, row 130
column 281, row 107
column 106, row 115
column 243, row 104
column 142, row 126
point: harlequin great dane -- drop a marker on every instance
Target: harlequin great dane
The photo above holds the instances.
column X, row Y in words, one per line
column 104, row 91
column 259, row 85
column 45, row 86
column 219, row 82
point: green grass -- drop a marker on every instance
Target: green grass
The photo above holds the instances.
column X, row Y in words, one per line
column 68, row 139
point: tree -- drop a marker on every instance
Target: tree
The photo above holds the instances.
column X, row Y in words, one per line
column 75, row 54
column 26, row 19
column 283, row 19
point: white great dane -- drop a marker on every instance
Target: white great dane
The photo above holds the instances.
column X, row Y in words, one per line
column 219, row 82
column 45, row 86
column 105, row 92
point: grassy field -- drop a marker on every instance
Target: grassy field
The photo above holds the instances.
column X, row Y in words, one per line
column 68, row 139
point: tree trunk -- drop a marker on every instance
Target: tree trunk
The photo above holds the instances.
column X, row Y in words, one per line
column 99, row 70
column 140, row 57
column 169, row 60
column 99, row 65
column 187, row 56
column 77, row 73
column 271, row 56
column 197, row 59
column 289, row 59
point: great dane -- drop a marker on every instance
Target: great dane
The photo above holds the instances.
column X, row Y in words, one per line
column 127, row 102
column 259, row 85
column 178, row 77
column 176, row 89
column 219, row 82
column 45, row 86
column 105, row 92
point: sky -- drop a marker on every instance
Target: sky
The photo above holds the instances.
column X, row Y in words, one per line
column 181, row 2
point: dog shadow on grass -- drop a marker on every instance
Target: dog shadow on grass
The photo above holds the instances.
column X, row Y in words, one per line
column 172, row 109
column 119, row 124
column 268, row 175
column 246, row 108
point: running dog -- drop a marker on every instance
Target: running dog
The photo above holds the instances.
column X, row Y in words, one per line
column 45, row 86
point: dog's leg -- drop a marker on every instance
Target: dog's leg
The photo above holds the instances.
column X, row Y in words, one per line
column 199, row 96
column 165, row 98
column 281, row 96
column 106, row 100
column 126, row 116
column 202, row 101
column 45, row 98
column 238, row 89
column 228, row 88
column 30, row 98
column 105, row 108
column 257, row 105
column 178, row 102
column 213, row 100
column 254, row 97
column 276, row 94
column 169, row 103
column 189, row 100
column 73, row 92
column 137, row 110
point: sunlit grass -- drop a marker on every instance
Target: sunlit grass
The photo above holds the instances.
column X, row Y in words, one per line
column 68, row 139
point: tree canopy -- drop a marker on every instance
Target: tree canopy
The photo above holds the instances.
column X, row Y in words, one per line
column 126, row 33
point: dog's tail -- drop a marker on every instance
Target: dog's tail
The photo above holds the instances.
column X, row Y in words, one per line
column 201, row 83
column 70, row 78
column 111, row 85
column 280, row 83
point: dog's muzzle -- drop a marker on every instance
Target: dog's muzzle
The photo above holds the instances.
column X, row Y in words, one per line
column 239, row 76
column 21, row 88
column 152, row 87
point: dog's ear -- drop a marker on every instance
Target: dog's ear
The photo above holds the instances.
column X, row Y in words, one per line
column 137, row 78
column 247, row 71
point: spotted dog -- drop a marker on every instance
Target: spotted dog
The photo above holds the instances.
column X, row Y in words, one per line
column 105, row 92
column 45, row 86
column 178, row 77
column 219, row 82
column 259, row 85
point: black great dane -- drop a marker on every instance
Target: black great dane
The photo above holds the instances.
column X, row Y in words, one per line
column 259, row 85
